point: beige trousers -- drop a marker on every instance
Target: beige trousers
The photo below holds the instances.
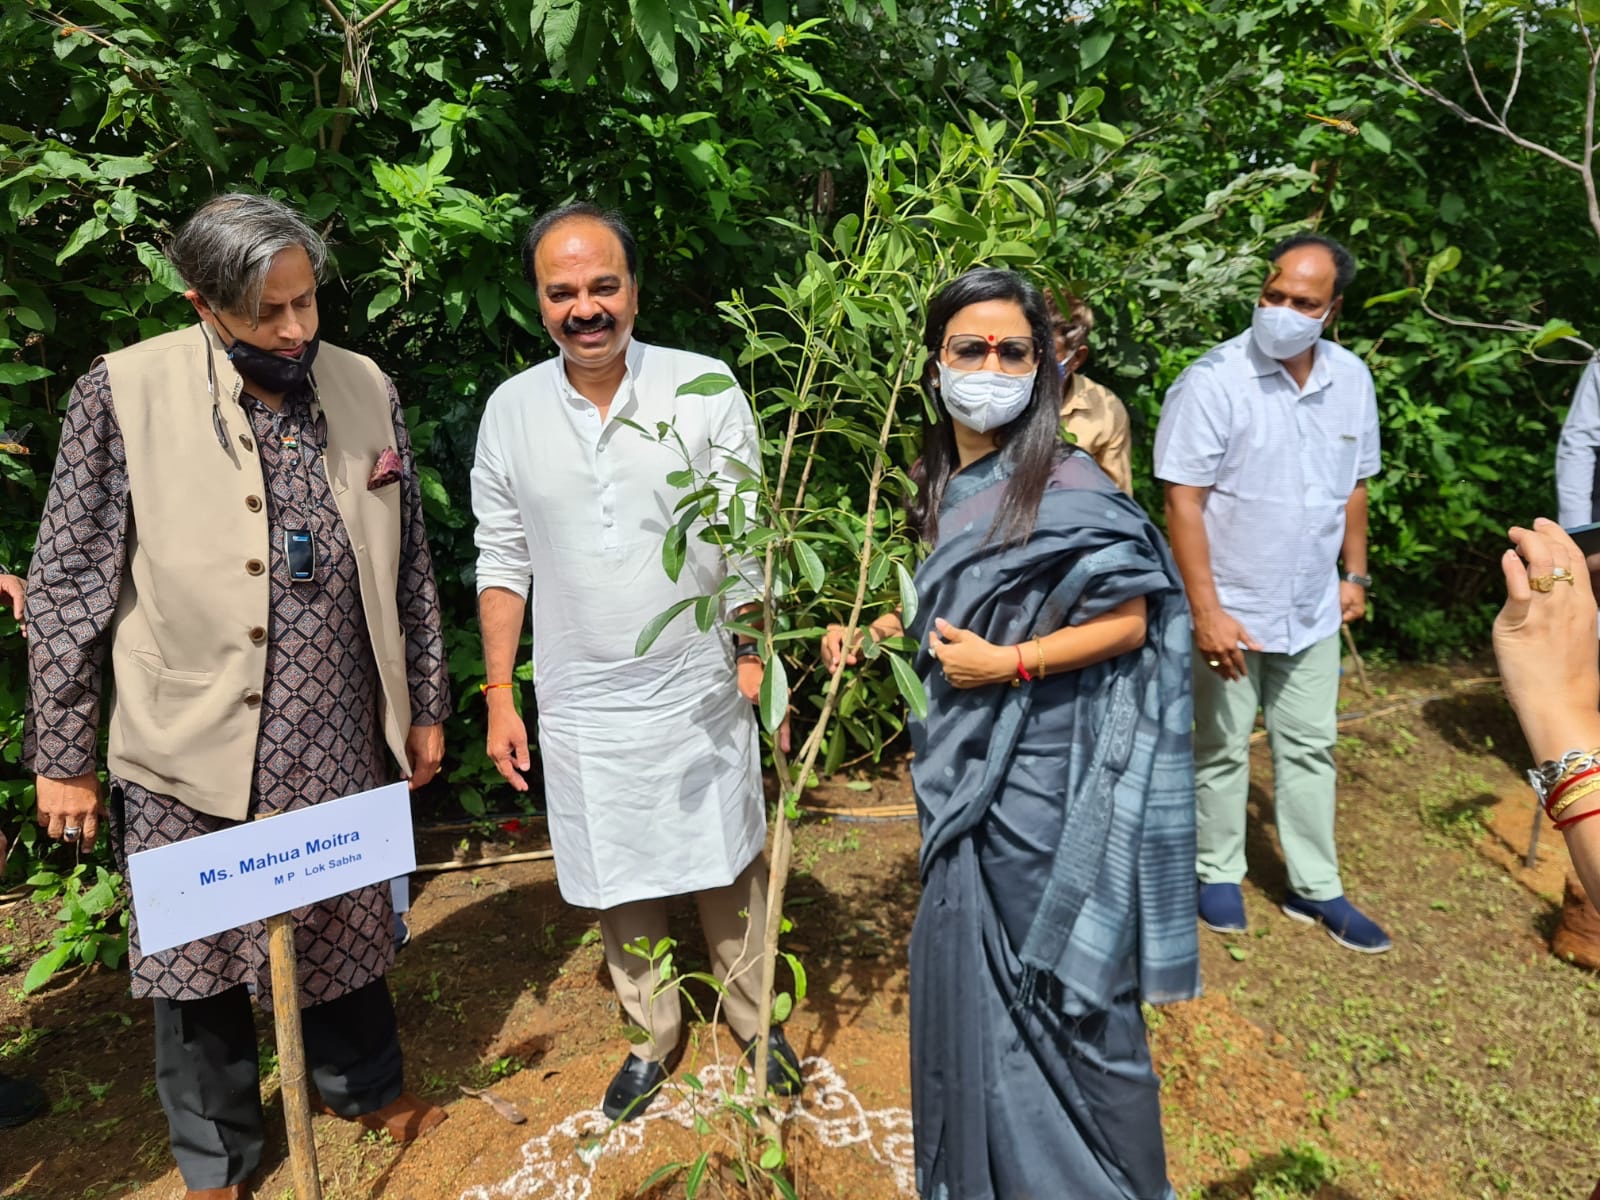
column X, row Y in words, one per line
column 734, row 920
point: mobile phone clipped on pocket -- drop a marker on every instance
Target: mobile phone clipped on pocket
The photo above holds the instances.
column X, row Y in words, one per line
column 301, row 554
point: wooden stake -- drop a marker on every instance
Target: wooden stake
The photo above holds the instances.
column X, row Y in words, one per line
column 1361, row 667
column 292, row 1057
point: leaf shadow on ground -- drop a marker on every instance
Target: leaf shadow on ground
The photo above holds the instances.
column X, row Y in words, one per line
column 1480, row 723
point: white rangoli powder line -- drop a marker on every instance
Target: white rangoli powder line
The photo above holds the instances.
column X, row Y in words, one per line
column 560, row 1164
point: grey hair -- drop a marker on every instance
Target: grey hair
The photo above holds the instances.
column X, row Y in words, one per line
column 226, row 249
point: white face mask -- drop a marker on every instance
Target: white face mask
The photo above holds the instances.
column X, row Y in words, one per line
column 1281, row 333
column 984, row 400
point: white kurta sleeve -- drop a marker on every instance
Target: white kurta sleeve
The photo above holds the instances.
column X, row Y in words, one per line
column 502, row 542
column 736, row 456
column 1578, row 451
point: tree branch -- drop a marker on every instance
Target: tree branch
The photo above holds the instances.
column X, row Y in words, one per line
column 375, row 14
column 1516, row 75
column 1438, row 97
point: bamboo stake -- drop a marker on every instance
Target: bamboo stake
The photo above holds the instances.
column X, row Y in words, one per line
column 292, row 1057
column 466, row 864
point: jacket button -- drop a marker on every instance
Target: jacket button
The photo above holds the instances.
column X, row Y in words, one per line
column 253, row 503
column 254, row 567
column 258, row 635
column 252, row 697
column 246, row 441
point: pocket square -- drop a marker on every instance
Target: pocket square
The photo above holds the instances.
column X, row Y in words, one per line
column 388, row 469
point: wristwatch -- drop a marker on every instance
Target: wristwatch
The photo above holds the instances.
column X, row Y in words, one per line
column 1361, row 581
column 745, row 649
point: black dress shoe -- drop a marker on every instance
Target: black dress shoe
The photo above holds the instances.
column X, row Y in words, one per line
column 21, row 1101
column 783, row 1065
column 633, row 1089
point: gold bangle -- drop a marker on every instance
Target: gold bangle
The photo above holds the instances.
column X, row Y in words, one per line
column 1587, row 787
column 1038, row 648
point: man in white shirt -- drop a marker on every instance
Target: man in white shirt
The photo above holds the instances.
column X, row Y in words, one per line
column 1265, row 445
column 1578, row 453
column 652, row 762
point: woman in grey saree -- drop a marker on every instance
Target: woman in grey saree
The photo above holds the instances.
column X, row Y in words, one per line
column 1057, row 814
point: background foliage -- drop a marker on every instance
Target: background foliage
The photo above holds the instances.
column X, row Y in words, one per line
column 423, row 134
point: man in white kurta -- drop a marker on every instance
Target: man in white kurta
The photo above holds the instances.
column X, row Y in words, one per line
column 651, row 762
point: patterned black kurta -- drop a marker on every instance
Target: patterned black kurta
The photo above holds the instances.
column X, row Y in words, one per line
column 321, row 737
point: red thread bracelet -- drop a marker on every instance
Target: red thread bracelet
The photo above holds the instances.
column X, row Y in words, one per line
column 1583, row 816
column 486, row 688
column 1022, row 669
column 1560, row 788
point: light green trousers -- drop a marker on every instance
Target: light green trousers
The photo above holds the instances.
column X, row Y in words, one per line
column 1300, row 694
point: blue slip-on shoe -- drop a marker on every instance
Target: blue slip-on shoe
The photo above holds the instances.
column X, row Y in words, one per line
column 1221, row 908
column 1344, row 922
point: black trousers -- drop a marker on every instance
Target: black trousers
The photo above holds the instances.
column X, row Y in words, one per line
column 209, row 1081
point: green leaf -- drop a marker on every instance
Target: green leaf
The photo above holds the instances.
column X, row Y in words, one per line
column 1442, row 263
column 1554, row 330
column 911, row 689
column 772, row 1156
column 39, row 974
column 705, row 613
column 782, row 1006
column 1390, row 297
column 1375, row 137
column 774, row 693
column 712, row 383
column 697, row 1173
column 653, row 628
column 810, row 566
column 1094, row 47
column 383, row 301
column 908, row 594
column 113, row 167
column 90, row 231
column 15, row 372
column 653, row 21
column 656, row 1176
column 799, row 973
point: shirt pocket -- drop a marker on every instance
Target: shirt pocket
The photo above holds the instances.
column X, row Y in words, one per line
column 1331, row 470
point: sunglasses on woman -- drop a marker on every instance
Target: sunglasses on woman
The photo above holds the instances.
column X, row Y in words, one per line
column 969, row 352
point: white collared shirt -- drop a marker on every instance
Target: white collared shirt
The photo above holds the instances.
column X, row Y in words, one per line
column 651, row 762
column 1280, row 463
column 1578, row 452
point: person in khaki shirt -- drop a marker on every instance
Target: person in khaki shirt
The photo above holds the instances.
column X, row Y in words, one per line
column 1091, row 413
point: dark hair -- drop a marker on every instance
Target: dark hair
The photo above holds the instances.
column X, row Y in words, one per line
column 581, row 210
column 1344, row 263
column 1032, row 442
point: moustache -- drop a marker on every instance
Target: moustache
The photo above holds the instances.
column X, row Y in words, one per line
column 576, row 325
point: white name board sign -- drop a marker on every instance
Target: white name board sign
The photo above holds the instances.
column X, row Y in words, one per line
column 204, row 885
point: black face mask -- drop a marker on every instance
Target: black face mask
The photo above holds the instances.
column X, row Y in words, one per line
column 271, row 372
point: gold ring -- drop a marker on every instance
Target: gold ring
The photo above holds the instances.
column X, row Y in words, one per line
column 1545, row 583
column 1561, row 574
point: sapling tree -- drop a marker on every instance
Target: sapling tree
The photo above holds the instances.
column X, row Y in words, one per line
column 832, row 358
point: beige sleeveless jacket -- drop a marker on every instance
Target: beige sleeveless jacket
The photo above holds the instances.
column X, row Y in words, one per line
column 189, row 638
